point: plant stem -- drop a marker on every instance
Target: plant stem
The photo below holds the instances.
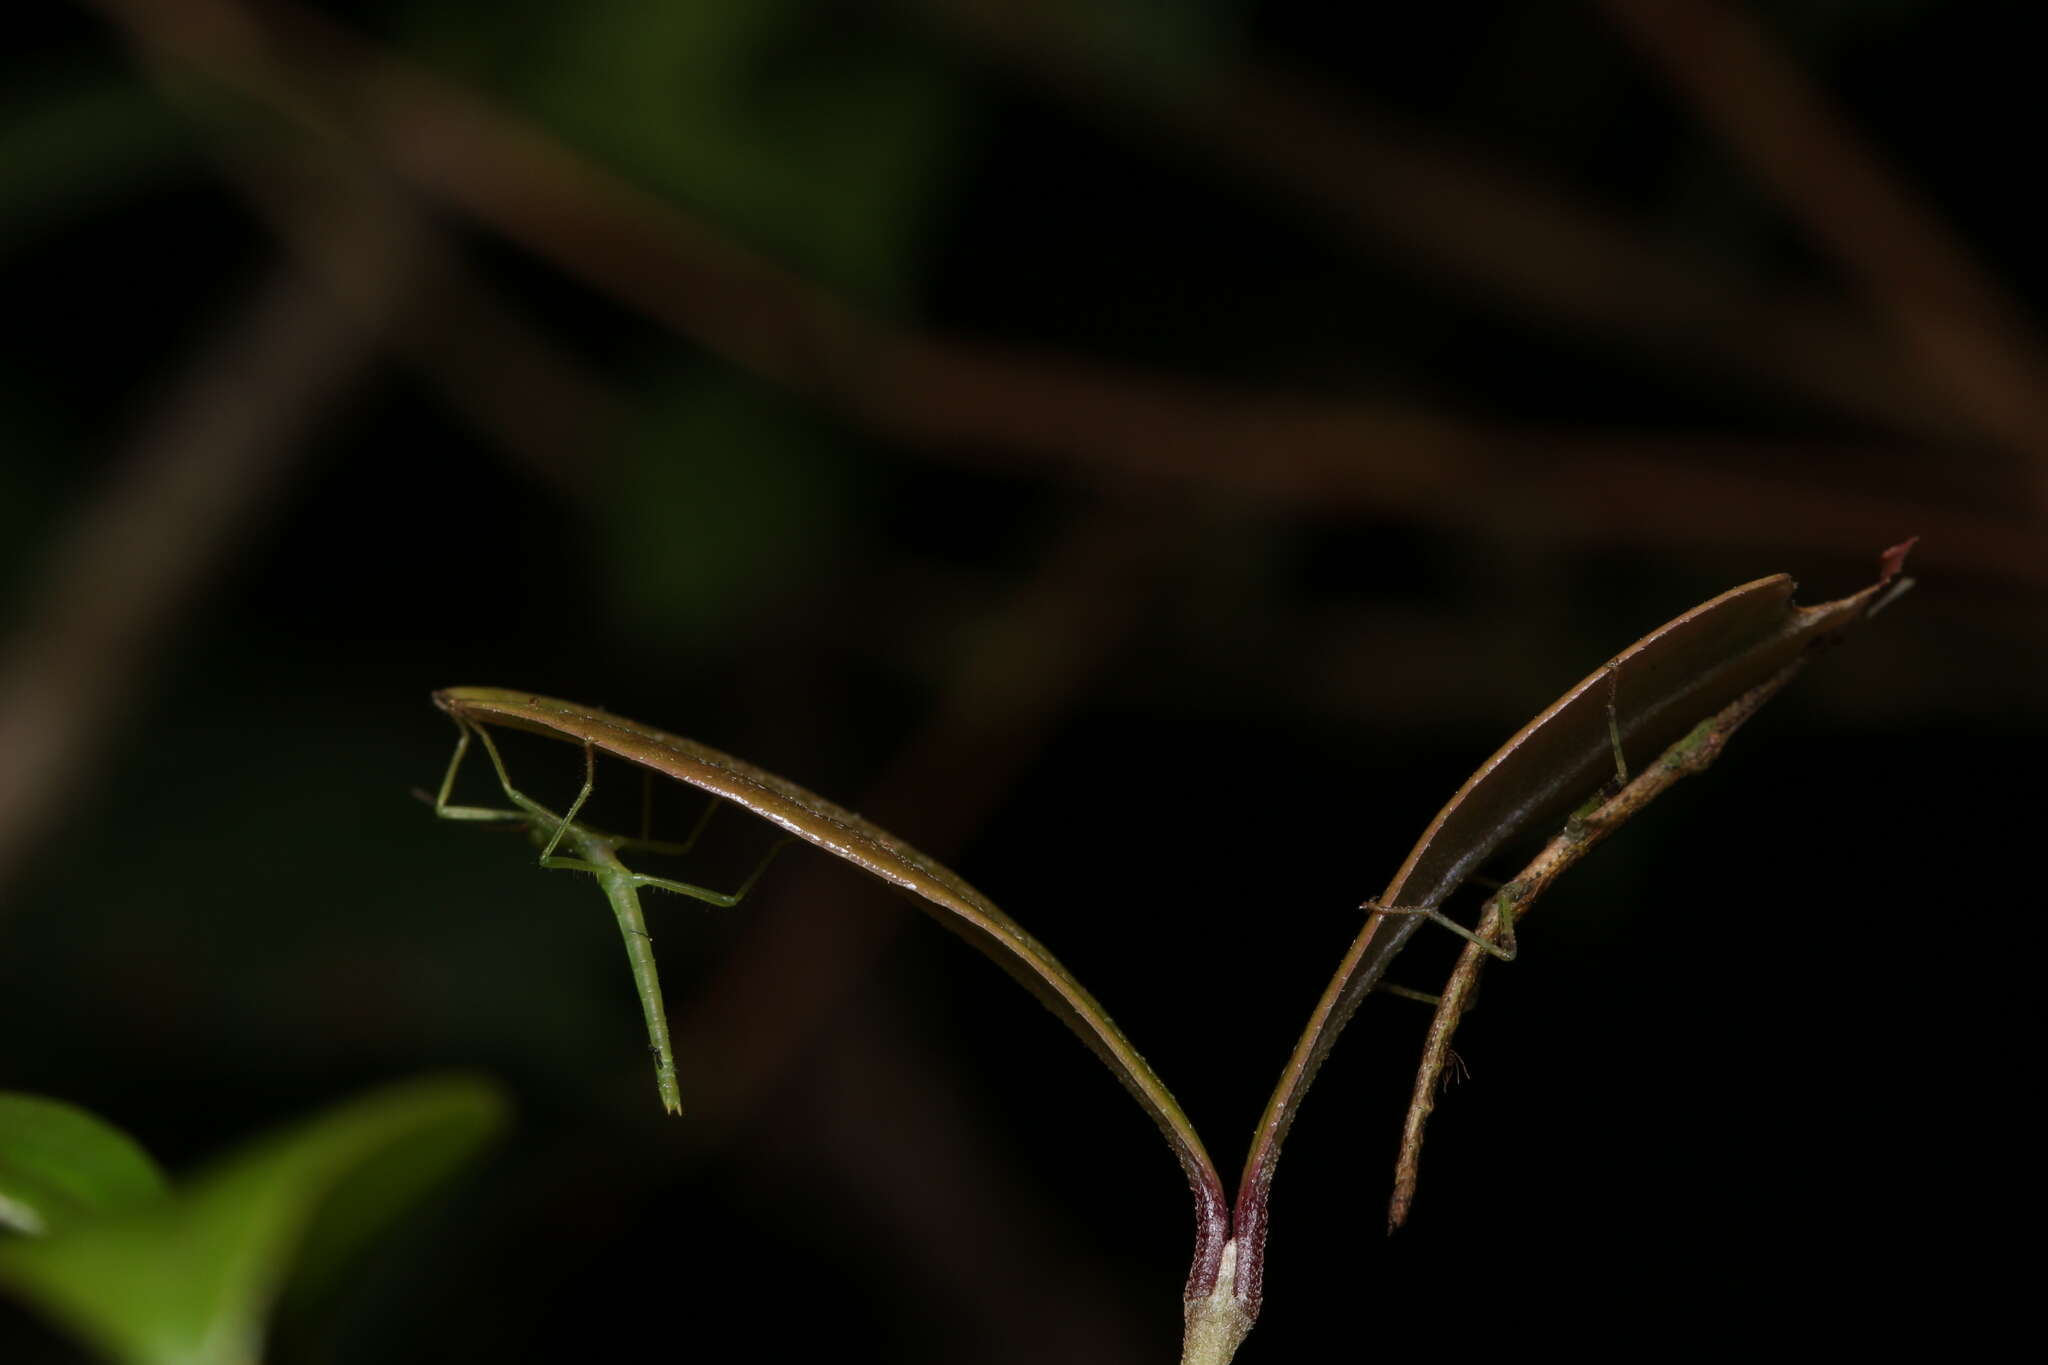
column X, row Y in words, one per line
column 1219, row 1321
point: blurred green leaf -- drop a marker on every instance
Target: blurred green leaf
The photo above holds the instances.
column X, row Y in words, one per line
column 1166, row 42
column 815, row 132
column 728, row 498
column 59, row 1165
column 71, row 148
column 193, row 1279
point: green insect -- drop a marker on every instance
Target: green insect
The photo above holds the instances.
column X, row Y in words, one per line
column 597, row 852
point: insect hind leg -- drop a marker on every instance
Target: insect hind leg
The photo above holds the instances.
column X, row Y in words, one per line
column 725, row 900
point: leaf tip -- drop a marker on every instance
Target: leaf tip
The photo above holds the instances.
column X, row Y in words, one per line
column 1894, row 559
column 1398, row 1206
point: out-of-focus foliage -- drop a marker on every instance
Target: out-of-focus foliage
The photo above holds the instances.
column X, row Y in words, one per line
column 60, row 1165
column 192, row 1279
column 816, row 133
column 727, row 500
column 79, row 143
column 813, row 131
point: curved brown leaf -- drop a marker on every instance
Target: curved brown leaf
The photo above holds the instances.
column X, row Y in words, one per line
column 1661, row 686
column 1691, row 755
column 939, row 889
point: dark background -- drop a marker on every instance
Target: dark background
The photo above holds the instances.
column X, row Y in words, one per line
column 1145, row 453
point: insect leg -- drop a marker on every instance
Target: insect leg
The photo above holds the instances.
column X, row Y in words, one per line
column 1614, row 729
column 1505, row 950
column 589, row 783
column 447, row 812
column 1406, row 993
column 709, row 897
column 529, row 809
column 669, row 847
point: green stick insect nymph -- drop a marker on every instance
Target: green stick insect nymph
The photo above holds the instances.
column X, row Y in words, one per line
column 801, row 814
column 597, row 852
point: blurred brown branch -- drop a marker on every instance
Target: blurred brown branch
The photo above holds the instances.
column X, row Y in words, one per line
column 337, row 212
column 119, row 580
column 1501, row 235
column 956, row 398
column 1949, row 313
column 226, row 439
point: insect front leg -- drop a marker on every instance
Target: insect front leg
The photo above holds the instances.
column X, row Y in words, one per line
column 445, row 811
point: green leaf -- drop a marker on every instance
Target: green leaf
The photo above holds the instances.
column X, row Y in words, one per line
column 728, row 498
column 79, row 141
column 60, row 1165
column 817, row 136
column 192, row 1280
